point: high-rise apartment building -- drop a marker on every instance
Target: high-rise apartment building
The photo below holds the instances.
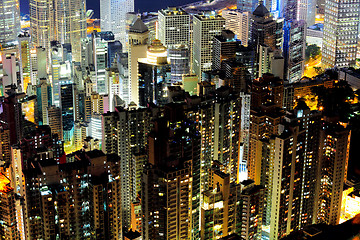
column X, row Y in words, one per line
column 341, row 23
column 113, row 18
column 54, row 120
column 79, row 198
column 170, row 194
column 125, row 134
column 289, row 172
column 9, row 21
column 174, row 27
column 221, row 211
column 332, row 173
column 205, row 28
column 252, row 200
column 8, row 226
column 239, row 22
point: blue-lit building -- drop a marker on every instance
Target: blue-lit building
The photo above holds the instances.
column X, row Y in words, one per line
column 247, row 6
column 294, row 49
column 114, row 49
column 67, row 110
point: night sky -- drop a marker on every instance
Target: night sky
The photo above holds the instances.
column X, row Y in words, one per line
column 140, row 5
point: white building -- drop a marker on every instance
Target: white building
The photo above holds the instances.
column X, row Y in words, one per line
column 113, row 17
column 206, row 27
column 9, row 20
column 340, row 33
column 174, row 27
column 238, row 22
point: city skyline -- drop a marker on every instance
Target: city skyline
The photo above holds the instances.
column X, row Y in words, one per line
column 217, row 119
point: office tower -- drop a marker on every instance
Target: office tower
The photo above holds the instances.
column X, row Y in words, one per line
column 174, row 27
column 67, row 92
column 340, row 34
column 41, row 25
column 153, row 75
column 138, row 40
column 205, row 28
column 247, row 6
column 113, row 18
column 79, row 198
column 221, row 211
column 333, row 162
column 252, row 197
column 40, row 63
column 120, row 83
column 100, row 51
column 239, row 22
column 8, row 226
column 9, row 66
column 124, row 134
column 43, row 93
column 9, row 21
column 114, row 50
column 61, row 71
column 63, row 21
column 70, row 24
column 179, row 57
column 25, row 63
column 224, row 47
column 269, row 61
column 265, row 30
column 294, row 49
column 170, row 194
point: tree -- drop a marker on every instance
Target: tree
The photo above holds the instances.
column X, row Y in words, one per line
column 312, row 51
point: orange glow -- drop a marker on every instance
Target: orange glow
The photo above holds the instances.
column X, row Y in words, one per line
column 310, row 67
column 4, row 184
column 230, row 7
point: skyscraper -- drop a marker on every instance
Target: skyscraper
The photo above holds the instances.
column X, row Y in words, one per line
column 294, row 49
column 62, row 21
column 9, row 21
column 341, row 22
column 332, row 173
column 138, row 40
column 174, row 27
column 8, row 227
column 124, row 134
column 265, row 29
column 170, row 192
column 152, row 75
column 205, row 28
column 238, row 22
column 113, row 18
